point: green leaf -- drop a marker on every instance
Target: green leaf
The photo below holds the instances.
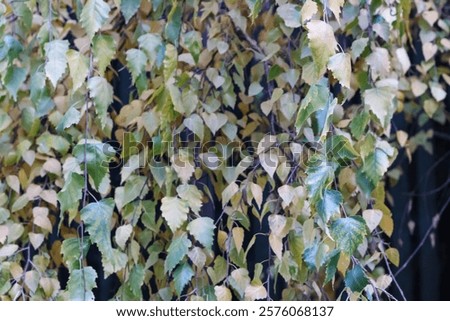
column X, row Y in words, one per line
column 319, row 178
column 56, row 60
column 104, row 48
column 355, row 279
column 359, row 124
column 340, row 149
column 255, row 7
column 182, row 276
column 70, row 195
column 329, row 204
column 136, row 62
column 93, row 16
column 98, row 155
column 322, row 43
column 80, row 284
column 195, row 124
column 153, row 47
column 5, row 120
column 78, row 68
column 14, row 78
column 220, row 270
column 173, row 25
column 202, row 229
column 239, row 280
column 377, row 163
column 341, row 67
column 129, row 8
column 290, row 14
column 133, row 188
column 71, row 117
column 135, row 281
column 318, row 97
column 192, row 195
column 47, row 141
column 97, row 217
column 349, row 233
column 381, row 102
column 102, row 93
column 358, row 47
column 178, row 248
column 71, row 251
column 331, row 266
column 174, row 211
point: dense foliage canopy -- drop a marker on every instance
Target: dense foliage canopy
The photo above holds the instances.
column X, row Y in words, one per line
column 248, row 124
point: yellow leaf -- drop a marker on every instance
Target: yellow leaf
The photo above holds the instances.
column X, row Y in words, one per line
column 308, row 10
column 322, row 43
column 255, row 292
column 276, row 245
column 393, row 255
column 40, row 218
column 387, row 224
column 222, row 293
column 238, row 237
column 402, row 137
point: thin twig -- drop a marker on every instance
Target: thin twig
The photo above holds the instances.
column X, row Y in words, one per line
column 432, row 227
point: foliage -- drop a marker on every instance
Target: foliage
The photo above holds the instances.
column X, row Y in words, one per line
column 274, row 115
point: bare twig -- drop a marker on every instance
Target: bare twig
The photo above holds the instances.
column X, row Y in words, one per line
column 432, row 227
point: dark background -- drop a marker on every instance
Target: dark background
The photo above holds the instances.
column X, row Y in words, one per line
column 421, row 193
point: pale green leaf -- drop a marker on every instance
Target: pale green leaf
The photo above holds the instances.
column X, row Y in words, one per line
column 195, row 124
column 381, row 102
column 129, row 8
column 349, row 233
column 93, row 16
column 97, row 217
column 174, row 211
column 173, row 24
column 202, row 229
column 71, row 117
column 104, row 48
column 239, row 280
column 192, row 195
column 341, row 67
column 319, row 178
column 101, row 92
column 71, row 251
column 329, row 204
column 14, row 78
column 136, row 62
column 78, row 68
column 5, row 120
column 56, row 60
column 290, row 14
column 70, row 195
column 317, row 98
column 153, row 47
column 80, row 284
column 181, row 277
column 322, row 43
column 358, row 47
column 98, row 155
column 178, row 248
